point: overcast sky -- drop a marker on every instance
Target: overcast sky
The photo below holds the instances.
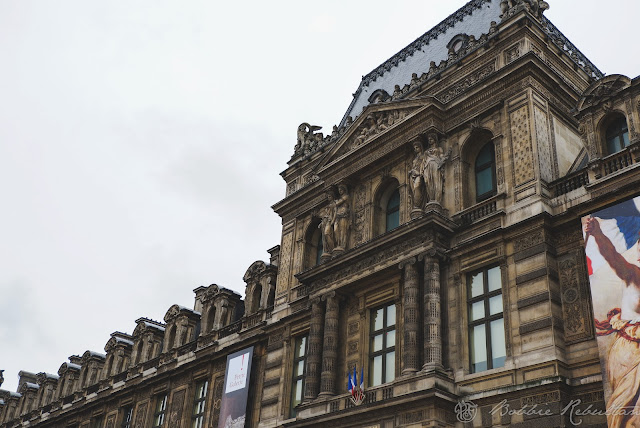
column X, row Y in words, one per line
column 141, row 143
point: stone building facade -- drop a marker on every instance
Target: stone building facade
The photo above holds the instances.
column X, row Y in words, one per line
column 432, row 242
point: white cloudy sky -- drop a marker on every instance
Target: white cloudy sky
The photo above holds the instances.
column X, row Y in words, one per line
column 141, row 143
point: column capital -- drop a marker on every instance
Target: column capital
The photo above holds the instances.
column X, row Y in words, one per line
column 434, row 253
column 406, row 262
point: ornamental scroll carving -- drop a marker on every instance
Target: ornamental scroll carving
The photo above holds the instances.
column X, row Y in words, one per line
column 577, row 324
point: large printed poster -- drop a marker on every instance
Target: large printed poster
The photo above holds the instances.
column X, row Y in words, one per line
column 613, row 261
column 233, row 408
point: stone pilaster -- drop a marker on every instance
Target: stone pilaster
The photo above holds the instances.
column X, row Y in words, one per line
column 432, row 320
column 330, row 349
column 411, row 308
column 314, row 357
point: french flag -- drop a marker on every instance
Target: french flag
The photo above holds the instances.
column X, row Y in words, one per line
column 621, row 224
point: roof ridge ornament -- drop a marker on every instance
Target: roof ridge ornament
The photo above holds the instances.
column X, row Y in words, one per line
column 511, row 7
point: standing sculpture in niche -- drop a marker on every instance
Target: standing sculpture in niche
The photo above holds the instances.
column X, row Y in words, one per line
column 416, row 182
column 341, row 224
column 433, row 170
column 326, row 226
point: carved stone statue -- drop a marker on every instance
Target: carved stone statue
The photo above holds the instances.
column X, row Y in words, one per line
column 1, row 377
column 416, row 182
column 536, row 7
column 307, row 140
column 341, row 224
column 433, row 170
column 326, row 225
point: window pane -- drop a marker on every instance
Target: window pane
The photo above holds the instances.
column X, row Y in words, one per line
column 300, row 346
column 477, row 310
column 498, row 347
column 299, row 369
column 478, row 348
column 613, row 145
column 391, row 339
column 393, row 220
column 377, row 320
column 495, row 304
column 391, row 367
column 297, row 392
column 476, row 285
column 484, row 181
column 376, row 371
column 391, row 315
column 394, row 201
column 495, row 281
column 377, row 343
column 625, row 139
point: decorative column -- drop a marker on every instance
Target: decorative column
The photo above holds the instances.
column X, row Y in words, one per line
column 330, row 350
column 432, row 321
column 314, row 356
column 411, row 308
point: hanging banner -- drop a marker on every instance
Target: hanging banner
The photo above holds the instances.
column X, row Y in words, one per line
column 233, row 407
column 613, row 262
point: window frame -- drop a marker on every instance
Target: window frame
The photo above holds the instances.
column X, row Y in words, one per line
column 618, row 136
column 483, row 167
column 392, row 210
column 299, row 377
column 199, row 399
column 160, row 410
column 385, row 350
column 487, row 319
column 127, row 416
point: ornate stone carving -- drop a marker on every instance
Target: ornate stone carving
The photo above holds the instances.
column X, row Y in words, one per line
column 342, row 222
column 603, row 91
column 111, row 421
column 528, row 241
column 314, row 357
column 217, row 400
column 374, row 124
column 522, row 150
column 308, row 139
column 141, row 413
column 426, row 176
column 330, row 347
column 411, row 307
column 328, row 216
column 175, row 415
column 360, row 201
column 544, row 145
column 467, row 82
column 511, row 7
column 574, row 310
column 284, row 269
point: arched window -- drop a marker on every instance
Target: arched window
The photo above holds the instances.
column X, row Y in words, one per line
column 271, row 299
column 255, row 298
column 313, row 245
column 109, row 367
column 211, row 314
column 139, row 351
column 172, row 338
column 617, row 135
column 386, row 207
column 393, row 211
column 485, row 172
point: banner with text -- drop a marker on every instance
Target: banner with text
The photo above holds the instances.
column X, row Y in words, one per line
column 233, row 407
column 613, row 263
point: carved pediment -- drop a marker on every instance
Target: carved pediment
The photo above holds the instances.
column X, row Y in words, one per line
column 603, row 90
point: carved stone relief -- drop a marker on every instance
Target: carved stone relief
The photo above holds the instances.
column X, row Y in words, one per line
column 522, row 150
column 177, row 404
column 217, row 399
column 577, row 324
column 285, row 264
column 544, row 145
column 141, row 413
column 360, row 217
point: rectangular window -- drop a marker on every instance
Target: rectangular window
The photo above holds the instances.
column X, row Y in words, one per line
column 199, row 404
column 127, row 413
column 97, row 422
column 382, row 347
column 487, row 347
column 160, row 409
column 299, row 370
